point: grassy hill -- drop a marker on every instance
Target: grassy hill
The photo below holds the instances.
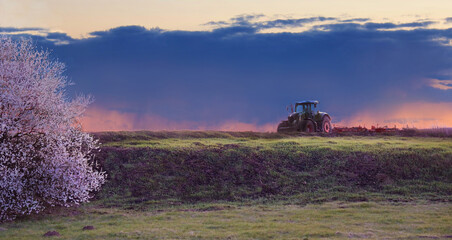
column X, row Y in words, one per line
column 219, row 185
column 162, row 167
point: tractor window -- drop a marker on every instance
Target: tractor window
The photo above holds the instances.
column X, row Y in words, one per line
column 304, row 108
column 298, row 108
column 301, row 108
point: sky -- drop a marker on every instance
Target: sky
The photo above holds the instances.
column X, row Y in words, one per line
column 236, row 65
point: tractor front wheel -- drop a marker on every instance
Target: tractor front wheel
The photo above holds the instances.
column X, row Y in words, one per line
column 326, row 125
column 309, row 126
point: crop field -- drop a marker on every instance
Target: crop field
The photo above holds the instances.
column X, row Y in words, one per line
column 220, row 185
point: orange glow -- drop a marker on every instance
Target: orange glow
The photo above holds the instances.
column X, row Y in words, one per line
column 416, row 114
column 98, row 119
column 242, row 127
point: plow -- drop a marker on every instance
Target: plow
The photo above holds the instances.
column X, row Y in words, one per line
column 360, row 129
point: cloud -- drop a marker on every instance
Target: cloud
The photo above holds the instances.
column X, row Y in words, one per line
column 255, row 22
column 246, row 18
column 417, row 24
column 16, row 30
column 251, row 21
column 239, row 20
column 355, row 20
column 235, row 30
column 42, row 35
column 239, row 75
column 341, row 27
column 388, row 25
column 449, row 19
column 370, row 26
column 441, row 84
column 59, row 38
column 128, row 31
column 284, row 23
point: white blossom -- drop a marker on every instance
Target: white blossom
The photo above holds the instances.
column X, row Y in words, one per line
column 45, row 158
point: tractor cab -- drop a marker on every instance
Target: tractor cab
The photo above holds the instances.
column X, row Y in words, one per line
column 306, row 107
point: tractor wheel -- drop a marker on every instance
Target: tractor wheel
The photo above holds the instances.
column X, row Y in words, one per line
column 309, row 126
column 326, row 125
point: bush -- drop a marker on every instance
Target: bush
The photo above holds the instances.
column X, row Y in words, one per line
column 45, row 158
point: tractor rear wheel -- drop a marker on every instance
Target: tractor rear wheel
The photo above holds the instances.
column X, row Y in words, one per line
column 309, row 126
column 326, row 125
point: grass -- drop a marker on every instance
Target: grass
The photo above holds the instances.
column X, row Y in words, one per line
column 339, row 220
column 211, row 166
column 224, row 185
column 348, row 143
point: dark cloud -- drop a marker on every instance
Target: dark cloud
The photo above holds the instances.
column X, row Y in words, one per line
column 15, row 30
column 60, row 38
column 45, row 37
column 237, row 20
column 249, row 21
column 417, row 24
column 234, row 30
column 238, row 73
column 372, row 26
column 355, row 20
column 284, row 23
column 449, row 19
column 128, row 31
column 344, row 26
column 246, row 18
column 340, row 27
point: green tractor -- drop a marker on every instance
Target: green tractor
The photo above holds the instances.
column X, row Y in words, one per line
column 305, row 118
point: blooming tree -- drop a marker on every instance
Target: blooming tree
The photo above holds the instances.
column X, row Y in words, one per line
column 45, row 158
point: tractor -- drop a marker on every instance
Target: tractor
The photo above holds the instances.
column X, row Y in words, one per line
column 305, row 118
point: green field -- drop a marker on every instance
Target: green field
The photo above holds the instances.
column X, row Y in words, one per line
column 216, row 185
column 341, row 220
